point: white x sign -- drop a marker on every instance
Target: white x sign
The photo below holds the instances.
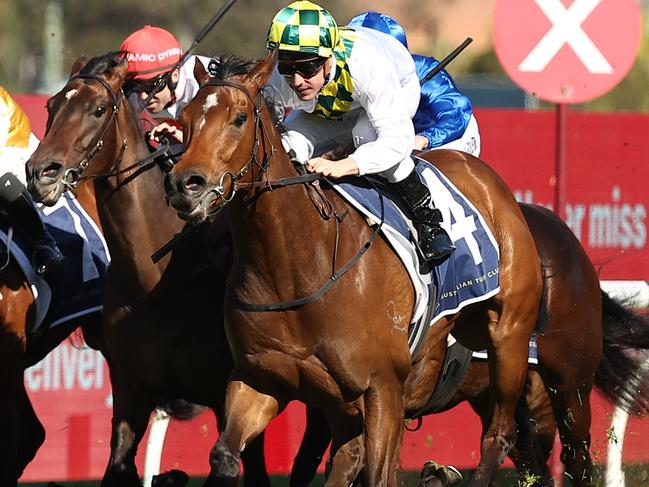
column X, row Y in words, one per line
column 566, row 29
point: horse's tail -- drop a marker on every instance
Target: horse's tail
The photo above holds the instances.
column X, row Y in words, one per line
column 623, row 374
column 181, row 409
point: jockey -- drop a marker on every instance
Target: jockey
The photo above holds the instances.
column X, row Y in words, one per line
column 355, row 86
column 17, row 142
column 444, row 119
column 153, row 54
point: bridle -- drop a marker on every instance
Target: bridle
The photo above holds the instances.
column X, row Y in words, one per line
column 234, row 179
column 73, row 176
column 261, row 133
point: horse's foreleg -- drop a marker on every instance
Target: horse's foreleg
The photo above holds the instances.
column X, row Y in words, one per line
column 254, row 466
column 247, row 413
column 384, row 420
column 130, row 419
column 32, row 433
column 11, row 351
column 347, row 449
column 315, row 441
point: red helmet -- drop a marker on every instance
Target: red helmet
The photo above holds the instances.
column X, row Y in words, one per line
column 150, row 51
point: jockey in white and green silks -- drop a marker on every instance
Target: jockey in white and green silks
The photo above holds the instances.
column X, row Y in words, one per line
column 355, row 86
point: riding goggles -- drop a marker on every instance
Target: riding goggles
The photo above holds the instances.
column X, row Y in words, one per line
column 152, row 85
column 307, row 69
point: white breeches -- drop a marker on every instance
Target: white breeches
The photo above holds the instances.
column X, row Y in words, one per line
column 469, row 142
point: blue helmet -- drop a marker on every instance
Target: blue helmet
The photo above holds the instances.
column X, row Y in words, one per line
column 381, row 22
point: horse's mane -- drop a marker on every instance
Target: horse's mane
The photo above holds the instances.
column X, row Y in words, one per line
column 228, row 66
column 104, row 63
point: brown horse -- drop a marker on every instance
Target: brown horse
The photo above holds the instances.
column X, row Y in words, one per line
column 346, row 352
column 157, row 348
column 575, row 316
column 23, row 433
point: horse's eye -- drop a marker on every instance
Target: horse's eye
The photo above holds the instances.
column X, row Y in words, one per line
column 99, row 111
column 241, row 119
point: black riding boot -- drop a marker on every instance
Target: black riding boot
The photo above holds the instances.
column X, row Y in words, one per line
column 434, row 243
column 18, row 207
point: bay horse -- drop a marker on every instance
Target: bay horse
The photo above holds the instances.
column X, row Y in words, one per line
column 158, row 350
column 20, row 348
column 585, row 338
column 345, row 353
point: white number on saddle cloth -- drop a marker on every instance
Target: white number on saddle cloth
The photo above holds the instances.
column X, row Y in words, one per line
column 463, row 226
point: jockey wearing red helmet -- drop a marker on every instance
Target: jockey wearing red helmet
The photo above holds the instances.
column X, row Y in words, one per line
column 153, row 55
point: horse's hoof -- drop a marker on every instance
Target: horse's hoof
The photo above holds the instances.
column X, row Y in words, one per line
column 172, row 478
column 434, row 474
column 428, row 473
column 453, row 475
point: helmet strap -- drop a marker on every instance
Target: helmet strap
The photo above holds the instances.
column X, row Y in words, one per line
column 329, row 75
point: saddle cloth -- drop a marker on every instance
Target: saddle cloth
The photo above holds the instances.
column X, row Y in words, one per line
column 78, row 289
column 469, row 275
column 532, row 355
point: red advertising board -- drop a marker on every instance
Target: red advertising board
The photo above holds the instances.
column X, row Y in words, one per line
column 71, row 395
column 606, row 200
column 606, row 206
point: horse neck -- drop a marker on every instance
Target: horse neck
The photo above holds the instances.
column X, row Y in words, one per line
column 275, row 231
column 135, row 217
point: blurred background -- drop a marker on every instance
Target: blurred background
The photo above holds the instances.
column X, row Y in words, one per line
column 41, row 39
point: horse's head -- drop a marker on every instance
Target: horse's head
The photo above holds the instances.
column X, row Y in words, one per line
column 225, row 137
column 82, row 121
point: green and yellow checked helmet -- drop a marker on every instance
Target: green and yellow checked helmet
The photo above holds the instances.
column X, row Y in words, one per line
column 304, row 27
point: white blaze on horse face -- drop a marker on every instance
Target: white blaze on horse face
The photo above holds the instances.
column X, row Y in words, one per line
column 210, row 101
column 71, row 93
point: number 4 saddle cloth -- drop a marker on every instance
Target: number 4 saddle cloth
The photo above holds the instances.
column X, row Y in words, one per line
column 469, row 275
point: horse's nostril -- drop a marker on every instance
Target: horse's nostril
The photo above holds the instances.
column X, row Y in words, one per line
column 194, row 184
column 51, row 170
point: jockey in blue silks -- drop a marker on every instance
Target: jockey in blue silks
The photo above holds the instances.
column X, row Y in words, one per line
column 444, row 118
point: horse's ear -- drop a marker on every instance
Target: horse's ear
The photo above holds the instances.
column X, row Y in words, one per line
column 200, row 73
column 260, row 74
column 78, row 65
column 116, row 76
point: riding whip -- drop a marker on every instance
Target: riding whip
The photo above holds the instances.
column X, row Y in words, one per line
column 442, row 64
column 160, row 83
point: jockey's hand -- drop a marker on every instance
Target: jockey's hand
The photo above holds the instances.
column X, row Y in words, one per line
column 421, row 142
column 171, row 131
column 333, row 169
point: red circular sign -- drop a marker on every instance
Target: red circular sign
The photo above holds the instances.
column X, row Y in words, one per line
column 567, row 51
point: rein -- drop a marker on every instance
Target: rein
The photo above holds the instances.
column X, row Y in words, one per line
column 336, row 273
column 328, row 284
